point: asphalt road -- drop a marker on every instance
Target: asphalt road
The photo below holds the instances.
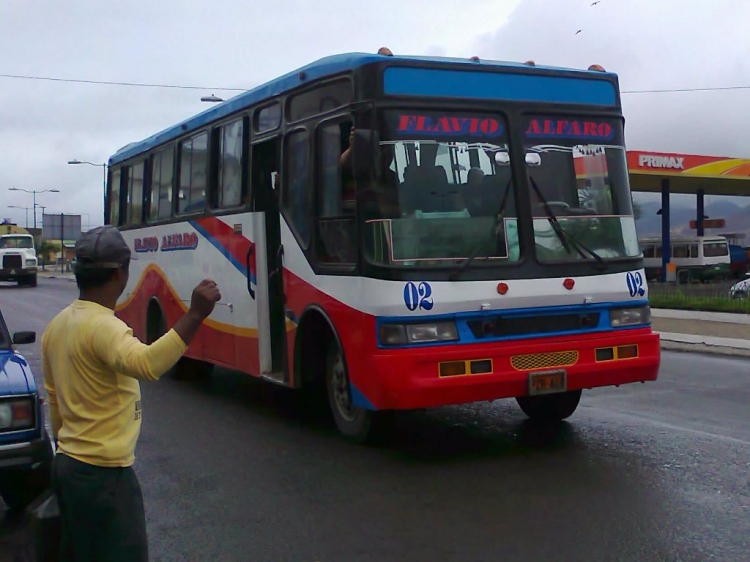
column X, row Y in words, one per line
column 233, row 469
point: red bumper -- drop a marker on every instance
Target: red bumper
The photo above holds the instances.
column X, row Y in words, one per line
column 409, row 378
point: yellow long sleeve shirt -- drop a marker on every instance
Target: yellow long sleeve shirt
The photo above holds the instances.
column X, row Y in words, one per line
column 92, row 365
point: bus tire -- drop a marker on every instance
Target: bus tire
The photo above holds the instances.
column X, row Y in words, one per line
column 356, row 424
column 550, row 407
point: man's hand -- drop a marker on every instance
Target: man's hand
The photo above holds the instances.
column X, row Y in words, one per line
column 205, row 296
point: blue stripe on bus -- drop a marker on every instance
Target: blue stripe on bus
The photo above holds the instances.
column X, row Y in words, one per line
column 359, row 399
column 225, row 252
column 467, row 337
column 339, row 64
column 430, row 82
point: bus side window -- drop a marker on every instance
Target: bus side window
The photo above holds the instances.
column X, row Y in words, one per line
column 113, row 200
column 230, row 164
column 336, row 182
column 135, row 194
column 193, row 173
column 162, row 166
column 335, row 231
column 296, row 196
column 680, row 251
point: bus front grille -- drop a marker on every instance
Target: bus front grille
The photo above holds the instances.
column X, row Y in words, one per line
column 535, row 361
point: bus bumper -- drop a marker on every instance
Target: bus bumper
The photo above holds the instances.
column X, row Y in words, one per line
column 410, row 378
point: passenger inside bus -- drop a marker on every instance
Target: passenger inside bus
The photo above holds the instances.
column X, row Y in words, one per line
column 380, row 199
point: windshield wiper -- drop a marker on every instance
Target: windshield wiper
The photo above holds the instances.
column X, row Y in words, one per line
column 475, row 253
column 565, row 236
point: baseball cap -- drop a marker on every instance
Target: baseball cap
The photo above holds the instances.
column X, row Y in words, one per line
column 102, row 247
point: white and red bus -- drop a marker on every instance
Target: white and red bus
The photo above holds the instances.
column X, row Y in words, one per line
column 405, row 232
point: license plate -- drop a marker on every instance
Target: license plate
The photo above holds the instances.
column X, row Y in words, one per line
column 547, row 382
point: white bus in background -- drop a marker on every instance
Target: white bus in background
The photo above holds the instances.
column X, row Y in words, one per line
column 697, row 258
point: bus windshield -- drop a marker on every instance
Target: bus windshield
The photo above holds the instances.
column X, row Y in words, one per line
column 444, row 192
column 578, row 172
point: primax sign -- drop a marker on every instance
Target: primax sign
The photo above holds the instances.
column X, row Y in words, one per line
column 671, row 162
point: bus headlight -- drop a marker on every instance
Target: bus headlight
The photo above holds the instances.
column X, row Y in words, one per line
column 402, row 334
column 620, row 317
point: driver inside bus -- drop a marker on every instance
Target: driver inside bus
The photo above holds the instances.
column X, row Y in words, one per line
column 382, row 196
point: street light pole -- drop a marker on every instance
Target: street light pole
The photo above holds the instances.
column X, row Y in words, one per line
column 104, row 180
column 27, row 212
column 42, row 207
column 33, row 193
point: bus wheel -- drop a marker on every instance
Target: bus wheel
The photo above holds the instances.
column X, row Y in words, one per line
column 356, row 424
column 550, row 407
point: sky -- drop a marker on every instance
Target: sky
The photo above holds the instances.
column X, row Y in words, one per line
column 650, row 44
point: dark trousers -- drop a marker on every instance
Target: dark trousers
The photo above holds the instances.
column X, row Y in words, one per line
column 101, row 512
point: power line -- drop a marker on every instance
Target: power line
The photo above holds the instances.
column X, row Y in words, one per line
column 107, row 83
column 182, row 87
column 672, row 90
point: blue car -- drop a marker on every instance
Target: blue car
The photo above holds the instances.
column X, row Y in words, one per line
column 25, row 447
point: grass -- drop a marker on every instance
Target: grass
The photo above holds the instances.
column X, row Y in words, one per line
column 679, row 300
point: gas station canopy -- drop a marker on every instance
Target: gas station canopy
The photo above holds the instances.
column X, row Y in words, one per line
column 667, row 173
column 688, row 173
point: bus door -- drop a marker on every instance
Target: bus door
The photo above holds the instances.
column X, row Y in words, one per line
column 267, row 289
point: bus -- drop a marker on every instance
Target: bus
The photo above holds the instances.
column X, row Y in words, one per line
column 395, row 233
column 696, row 258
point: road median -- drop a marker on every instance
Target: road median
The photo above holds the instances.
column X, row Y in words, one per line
column 703, row 332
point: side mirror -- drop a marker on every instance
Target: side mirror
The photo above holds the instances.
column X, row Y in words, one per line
column 21, row 338
column 502, row 159
column 533, row 159
column 363, row 153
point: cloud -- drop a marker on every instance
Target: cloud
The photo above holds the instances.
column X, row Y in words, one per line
column 223, row 43
column 650, row 45
column 229, row 43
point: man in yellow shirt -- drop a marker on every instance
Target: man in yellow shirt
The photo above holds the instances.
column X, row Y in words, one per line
column 92, row 366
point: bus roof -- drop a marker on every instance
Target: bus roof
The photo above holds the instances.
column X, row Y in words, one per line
column 322, row 68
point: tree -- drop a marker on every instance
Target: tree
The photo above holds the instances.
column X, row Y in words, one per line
column 45, row 248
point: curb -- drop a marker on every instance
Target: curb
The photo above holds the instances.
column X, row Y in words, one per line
column 64, row 277
column 730, row 347
column 725, row 317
